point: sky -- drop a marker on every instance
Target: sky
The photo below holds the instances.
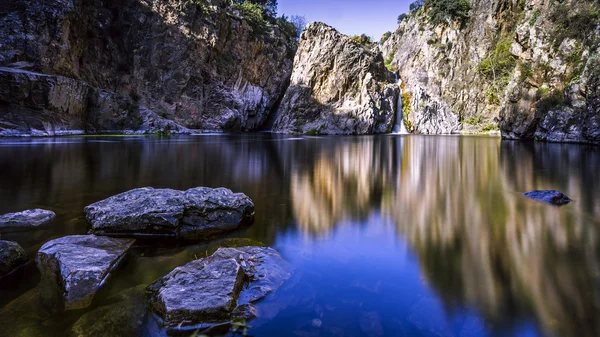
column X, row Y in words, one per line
column 352, row 17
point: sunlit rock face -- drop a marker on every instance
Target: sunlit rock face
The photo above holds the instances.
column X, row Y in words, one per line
column 196, row 63
column 338, row 86
column 527, row 68
column 460, row 207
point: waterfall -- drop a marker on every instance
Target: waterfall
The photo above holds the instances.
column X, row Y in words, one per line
column 399, row 128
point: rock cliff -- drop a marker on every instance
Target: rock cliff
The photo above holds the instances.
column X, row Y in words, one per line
column 74, row 66
column 338, row 86
column 530, row 68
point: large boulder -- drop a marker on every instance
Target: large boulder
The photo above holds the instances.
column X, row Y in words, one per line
column 26, row 219
column 12, row 256
column 209, row 291
column 195, row 214
column 74, row 268
column 338, row 86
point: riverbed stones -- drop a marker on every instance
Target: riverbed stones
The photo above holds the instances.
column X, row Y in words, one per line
column 196, row 214
column 26, row 219
column 552, row 197
column 12, row 256
column 74, row 268
column 209, row 291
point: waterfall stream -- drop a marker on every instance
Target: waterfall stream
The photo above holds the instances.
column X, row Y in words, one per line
column 399, row 127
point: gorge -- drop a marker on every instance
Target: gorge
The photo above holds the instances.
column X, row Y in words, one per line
column 189, row 67
column 219, row 168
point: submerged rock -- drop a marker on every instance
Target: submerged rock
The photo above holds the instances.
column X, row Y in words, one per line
column 74, row 268
column 550, row 197
column 195, row 214
column 29, row 218
column 338, row 86
column 12, row 256
column 123, row 317
column 209, row 291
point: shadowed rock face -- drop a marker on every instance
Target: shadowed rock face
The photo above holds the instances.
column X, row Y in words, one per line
column 208, row 291
column 136, row 66
column 195, row 214
column 338, row 86
column 74, row 268
column 552, row 197
column 12, row 256
column 29, row 218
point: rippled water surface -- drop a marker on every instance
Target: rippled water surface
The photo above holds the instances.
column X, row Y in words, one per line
column 388, row 235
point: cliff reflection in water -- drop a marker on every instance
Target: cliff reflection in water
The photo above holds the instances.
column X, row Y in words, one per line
column 457, row 202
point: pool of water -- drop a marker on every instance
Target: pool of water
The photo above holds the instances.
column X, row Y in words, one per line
column 388, row 235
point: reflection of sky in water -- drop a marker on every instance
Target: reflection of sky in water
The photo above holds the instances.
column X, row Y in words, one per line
column 363, row 280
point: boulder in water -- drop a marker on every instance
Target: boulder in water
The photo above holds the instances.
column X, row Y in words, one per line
column 25, row 219
column 12, row 256
column 209, row 291
column 75, row 267
column 552, row 197
column 196, row 214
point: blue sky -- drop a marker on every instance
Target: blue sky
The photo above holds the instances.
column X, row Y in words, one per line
column 352, row 17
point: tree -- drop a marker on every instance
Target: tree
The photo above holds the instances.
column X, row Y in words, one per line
column 269, row 6
column 402, row 17
column 299, row 22
column 441, row 11
column 416, row 5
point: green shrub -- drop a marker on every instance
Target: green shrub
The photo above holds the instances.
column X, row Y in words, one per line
column 577, row 20
column 497, row 68
column 362, row 39
column 473, row 120
column 402, row 17
column 388, row 61
column 443, row 11
column 416, row 5
column 254, row 14
column 386, row 36
column 555, row 99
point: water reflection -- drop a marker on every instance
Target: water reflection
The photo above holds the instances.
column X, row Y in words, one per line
column 457, row 202
column 389, row 235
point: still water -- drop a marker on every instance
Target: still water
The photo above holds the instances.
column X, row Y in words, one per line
column 388, row 235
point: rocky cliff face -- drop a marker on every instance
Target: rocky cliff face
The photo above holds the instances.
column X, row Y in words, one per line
column 338, row 86
column 528, row 67
column 137, row 65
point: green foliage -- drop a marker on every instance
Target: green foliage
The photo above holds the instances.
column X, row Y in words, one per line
column 385, row 37
column 254, row 14
column 525, row 70
column 388, row 62
column 416, row 5
column 473, row 120
column 402, row 17
column 497, row 67
column 362, row 39
column 267, row 7
column 535, row 17
column 312, row 132
column 443, row 11
column 287, row 27
column 407, row 110
column 577, row 20
column 490, row 127
column 162, row 133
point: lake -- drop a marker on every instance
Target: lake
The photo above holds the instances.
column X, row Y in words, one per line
column 388, row 235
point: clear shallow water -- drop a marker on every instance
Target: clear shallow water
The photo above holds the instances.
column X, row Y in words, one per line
column 388, row 235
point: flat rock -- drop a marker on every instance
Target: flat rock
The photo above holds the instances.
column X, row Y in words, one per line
column 552, row 197
column 196, row 214
column 12, row 256
column 208, row 291
column 197, row 293
column 75, row 267
column 25, row 219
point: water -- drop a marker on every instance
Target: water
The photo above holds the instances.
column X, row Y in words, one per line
column 399, row 127
column 388, row 235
